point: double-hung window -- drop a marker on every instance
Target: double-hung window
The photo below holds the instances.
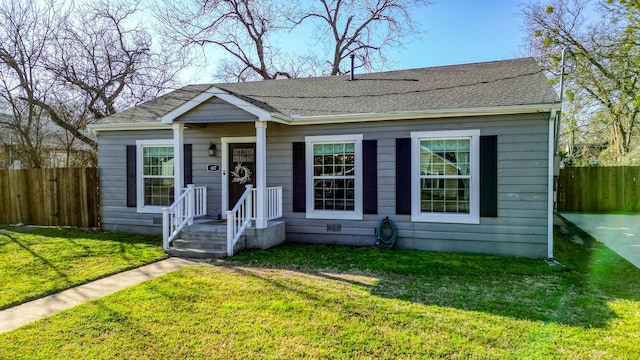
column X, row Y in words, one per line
column 334, row 177
column 445, row 176
column 155, row 174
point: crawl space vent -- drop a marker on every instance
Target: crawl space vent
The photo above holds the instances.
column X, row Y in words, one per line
column 334, row 227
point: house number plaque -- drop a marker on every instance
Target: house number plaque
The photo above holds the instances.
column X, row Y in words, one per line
column 213, row 167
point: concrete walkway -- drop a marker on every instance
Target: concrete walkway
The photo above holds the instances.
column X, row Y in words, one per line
column 621, row 233
column 23, row 314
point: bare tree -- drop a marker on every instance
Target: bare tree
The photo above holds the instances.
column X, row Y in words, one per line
column 108, row 60
column 365, row 28
column 25, row 29
column 605, row 76
column 241, row 28
column 74, row 63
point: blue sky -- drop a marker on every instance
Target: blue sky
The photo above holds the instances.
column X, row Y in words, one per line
column 463, row 31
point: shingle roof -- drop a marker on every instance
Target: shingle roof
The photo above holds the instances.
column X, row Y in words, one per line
column 488, row 84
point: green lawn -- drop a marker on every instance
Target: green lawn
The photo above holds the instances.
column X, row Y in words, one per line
column 35, row 262
column 336, row 302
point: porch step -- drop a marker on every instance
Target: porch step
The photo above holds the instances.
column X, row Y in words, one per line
column 196, row 253
column 202, row 244
column 210, row 226
column 203, row 241
column 204, row 234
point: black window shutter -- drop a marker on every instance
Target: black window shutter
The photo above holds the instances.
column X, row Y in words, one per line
column 403, row 176
column 131, row 176
column 370, row 176
column 489, row 176
column 188, row 165
column 299, row 181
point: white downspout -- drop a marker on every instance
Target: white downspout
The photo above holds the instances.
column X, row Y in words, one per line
column 552, row 153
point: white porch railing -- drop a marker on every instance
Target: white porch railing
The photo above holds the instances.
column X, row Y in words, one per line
column 192, row 203
column 239, row 218
column 273, row 197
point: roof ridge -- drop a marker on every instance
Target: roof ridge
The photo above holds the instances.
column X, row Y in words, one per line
column 393, row 71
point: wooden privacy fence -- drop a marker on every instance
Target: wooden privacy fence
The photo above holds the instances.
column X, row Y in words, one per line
column 599, row 189
column 62, row 196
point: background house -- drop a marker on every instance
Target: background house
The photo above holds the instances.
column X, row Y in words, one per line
column 56, row 147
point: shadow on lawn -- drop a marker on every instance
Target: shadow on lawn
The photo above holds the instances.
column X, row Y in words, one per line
column 574, row 295
column 26, row 248
column 73, row 235
column 82, row 233
column 50, row 255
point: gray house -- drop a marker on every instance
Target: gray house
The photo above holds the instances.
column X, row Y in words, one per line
column 457, row 156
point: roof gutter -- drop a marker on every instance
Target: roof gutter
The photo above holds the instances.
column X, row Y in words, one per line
column 96, row 128
column 281, row 118
column 351, row 118
column 429, row 114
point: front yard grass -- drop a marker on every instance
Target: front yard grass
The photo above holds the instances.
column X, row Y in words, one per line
column 35, row 262
column 300, row 301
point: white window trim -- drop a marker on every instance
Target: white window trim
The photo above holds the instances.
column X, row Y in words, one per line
column 356, row 214
column 474, row 185
column 140, row 171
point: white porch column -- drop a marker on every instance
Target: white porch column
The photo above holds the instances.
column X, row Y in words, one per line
column 178, row 158
column 261, row 174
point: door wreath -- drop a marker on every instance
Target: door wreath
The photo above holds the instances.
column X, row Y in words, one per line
column 241, row 174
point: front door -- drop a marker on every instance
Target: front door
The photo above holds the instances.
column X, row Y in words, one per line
column 242, row 170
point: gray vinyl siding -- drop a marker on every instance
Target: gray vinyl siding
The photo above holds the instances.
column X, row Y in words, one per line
column 201, row 138
column 215, row 110
column 114, row 213
column 519, row 230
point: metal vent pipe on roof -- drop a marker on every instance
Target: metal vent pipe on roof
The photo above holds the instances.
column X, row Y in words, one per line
column 352, row 76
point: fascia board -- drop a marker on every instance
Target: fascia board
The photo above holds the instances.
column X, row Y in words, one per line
column 95, row 128
column 351, row 118
column 430, row 114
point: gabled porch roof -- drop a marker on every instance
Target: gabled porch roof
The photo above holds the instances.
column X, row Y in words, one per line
column 261, row 111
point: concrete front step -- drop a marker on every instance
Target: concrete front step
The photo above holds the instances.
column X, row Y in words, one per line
column 204, row 240
column 200, row 235
column 196, row 253
column 203, row 244
column 208, row 228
